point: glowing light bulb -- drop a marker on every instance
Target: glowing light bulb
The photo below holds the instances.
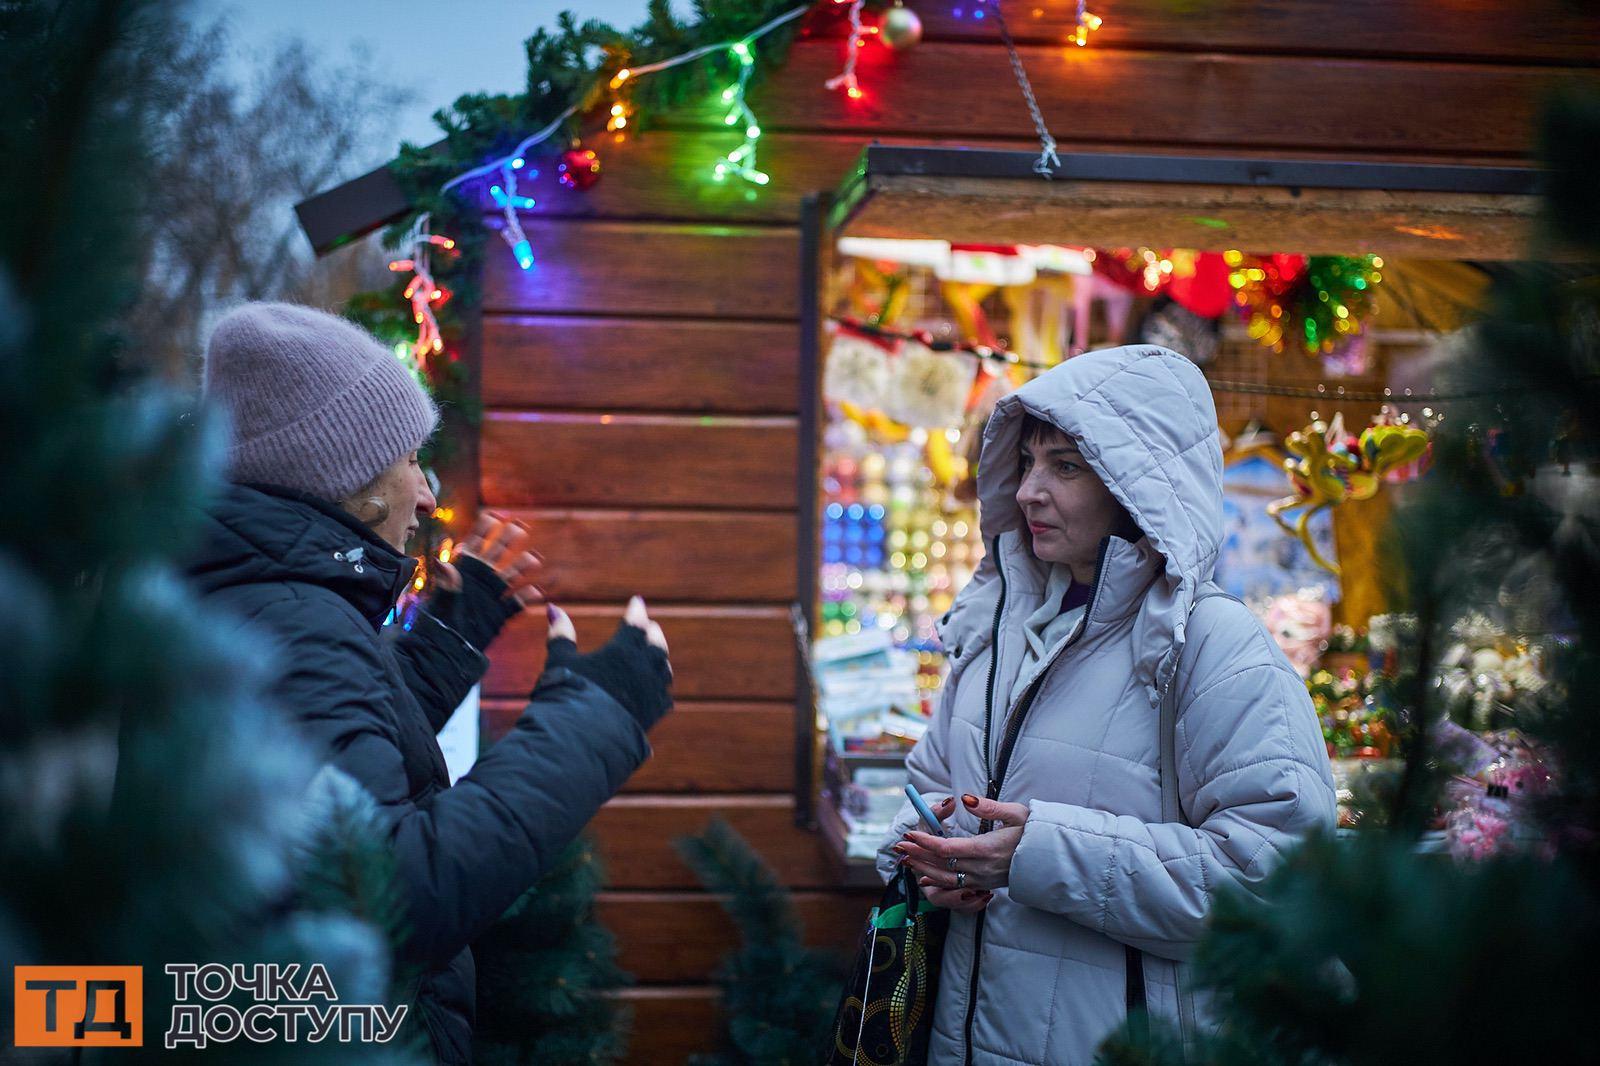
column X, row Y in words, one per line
column 523, row 252
column 620, row 76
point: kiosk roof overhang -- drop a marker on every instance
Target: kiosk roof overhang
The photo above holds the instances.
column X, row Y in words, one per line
column 1208, row 203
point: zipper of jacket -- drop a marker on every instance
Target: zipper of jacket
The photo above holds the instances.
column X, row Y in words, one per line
column 1008, row 743
column 988, row 719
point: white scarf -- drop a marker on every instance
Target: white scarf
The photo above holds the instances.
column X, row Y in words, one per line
column 1046, row 627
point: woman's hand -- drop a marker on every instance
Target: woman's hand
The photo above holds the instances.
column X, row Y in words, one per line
column 981, row 863
column 632, row 666
column 963, row 901
column 502, row 545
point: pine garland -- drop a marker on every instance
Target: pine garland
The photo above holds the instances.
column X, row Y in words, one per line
column 778, row 995
column 543, row 971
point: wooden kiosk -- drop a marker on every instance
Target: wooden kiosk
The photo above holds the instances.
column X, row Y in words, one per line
column 650, row 392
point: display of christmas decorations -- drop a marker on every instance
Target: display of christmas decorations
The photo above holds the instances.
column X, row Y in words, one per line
column 1309, row 303
column 1300, row 623
column 1329, row 467
column 1488, row 677
column 897, row 544
column 1486, row 680
column 1353, row 724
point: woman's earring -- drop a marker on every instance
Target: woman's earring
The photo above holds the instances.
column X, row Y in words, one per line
column 379, row 504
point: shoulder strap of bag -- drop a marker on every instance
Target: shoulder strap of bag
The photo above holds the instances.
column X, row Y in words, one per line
column 1172, row 806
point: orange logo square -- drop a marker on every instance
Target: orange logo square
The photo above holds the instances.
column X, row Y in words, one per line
column 79, row 1006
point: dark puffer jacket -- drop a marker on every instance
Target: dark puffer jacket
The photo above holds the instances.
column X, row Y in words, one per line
column 372, row 698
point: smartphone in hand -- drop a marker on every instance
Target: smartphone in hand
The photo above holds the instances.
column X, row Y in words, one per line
column 924, row 810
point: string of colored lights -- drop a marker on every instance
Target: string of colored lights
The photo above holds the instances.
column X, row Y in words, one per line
column 1088, row 22
column 423, row 293
column 741, row 161
column 846, row 79
column 1302, row 392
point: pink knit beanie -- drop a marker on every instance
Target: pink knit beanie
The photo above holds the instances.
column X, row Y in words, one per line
column 317, row 403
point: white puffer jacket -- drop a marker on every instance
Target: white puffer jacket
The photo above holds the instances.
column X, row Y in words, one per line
column 1097, row 869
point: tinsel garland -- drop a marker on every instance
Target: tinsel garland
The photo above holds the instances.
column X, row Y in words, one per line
column 1312, row 304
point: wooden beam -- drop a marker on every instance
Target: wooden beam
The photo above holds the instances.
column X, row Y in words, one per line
column 555, row 460
column 671, row 1024
column 704, row 366
column 682, row 937
column 1216, row 217
column 700, row 747
column 618, row 268
column 676, row 556
column 1165, row 99
column 718, row 653
column 635, row 837
column 1529, row 32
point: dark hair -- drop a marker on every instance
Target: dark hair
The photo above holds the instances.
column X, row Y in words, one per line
column 1035, row 428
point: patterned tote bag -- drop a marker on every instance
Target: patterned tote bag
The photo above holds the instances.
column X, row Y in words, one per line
column 886, row 1012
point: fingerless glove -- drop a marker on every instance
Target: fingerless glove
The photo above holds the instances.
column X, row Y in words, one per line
column 628, row 667
column 480, row 609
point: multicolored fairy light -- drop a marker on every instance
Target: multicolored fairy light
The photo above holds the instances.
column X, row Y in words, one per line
column 1087, row 23
column 742, row 160
column 422, row 292
column 846, row 79
column 505, row 195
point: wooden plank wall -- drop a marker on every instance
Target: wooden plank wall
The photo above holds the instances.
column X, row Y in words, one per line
column 641, row 386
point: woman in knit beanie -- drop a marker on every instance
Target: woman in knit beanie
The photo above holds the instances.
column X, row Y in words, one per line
column 305, row 547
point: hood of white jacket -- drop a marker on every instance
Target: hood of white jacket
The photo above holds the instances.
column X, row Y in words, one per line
column 1144, row 419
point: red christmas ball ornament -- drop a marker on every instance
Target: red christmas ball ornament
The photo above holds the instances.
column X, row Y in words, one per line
column 579, row 168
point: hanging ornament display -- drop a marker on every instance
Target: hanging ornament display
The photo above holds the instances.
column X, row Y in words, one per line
column 901, row 28
column 1115, row 301
column 1312, row 304
column 1142, row 270
column 1329, row 467
column 1199, row 282
column 579, row 168
column 857, row 369
column 927, row 388
column 1171, row 325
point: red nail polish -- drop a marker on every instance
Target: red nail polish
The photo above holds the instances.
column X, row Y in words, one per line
column 970, row 800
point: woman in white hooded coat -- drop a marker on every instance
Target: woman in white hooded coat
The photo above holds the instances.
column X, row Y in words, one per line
column 1076, row 891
